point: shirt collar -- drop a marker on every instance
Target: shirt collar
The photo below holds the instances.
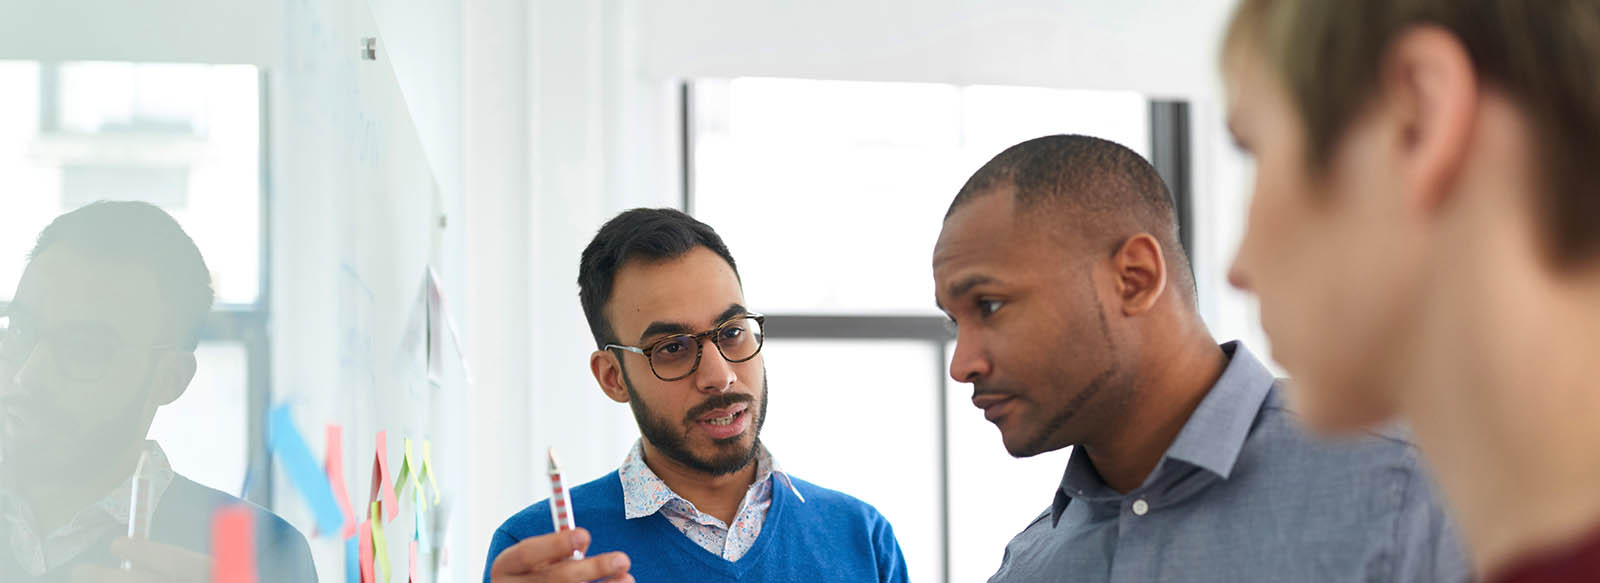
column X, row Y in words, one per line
column 1211, row 439
column 644, row 493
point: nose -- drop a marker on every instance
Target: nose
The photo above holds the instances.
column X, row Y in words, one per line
column 35, row 371
column 715, row 374
column 968, row 363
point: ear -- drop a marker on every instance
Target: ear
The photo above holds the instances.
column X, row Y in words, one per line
column 1141, row 273
column 608, row 372
column 171, row 377
column 1429, row 77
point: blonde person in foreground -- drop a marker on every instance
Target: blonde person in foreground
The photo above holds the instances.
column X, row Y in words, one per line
column 1425, row 242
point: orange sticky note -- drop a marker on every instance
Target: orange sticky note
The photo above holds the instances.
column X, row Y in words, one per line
column 365, row 535
column 233, row 545
column 334, row 466
column 380, row 482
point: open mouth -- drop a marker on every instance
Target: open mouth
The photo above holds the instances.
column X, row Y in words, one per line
column 725, row 422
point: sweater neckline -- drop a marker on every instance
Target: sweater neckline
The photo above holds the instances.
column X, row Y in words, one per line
column 735, row 570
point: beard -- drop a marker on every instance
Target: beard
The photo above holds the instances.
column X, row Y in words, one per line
column 672, row 439
column 60, row 447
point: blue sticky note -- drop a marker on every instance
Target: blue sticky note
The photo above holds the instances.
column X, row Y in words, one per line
column 303, row 470
column 352, row 560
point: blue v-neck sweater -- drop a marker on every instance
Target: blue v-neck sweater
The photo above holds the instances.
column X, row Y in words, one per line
column 831, row 537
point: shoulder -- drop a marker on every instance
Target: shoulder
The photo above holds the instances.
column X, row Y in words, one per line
column 279, row 543
column 1279, row 429
column 834, row 504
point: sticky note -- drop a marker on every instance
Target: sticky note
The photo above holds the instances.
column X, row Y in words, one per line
column 427, row 468
column 233, row 545
column 380, row 481
column 365, row 534
column 380, row 545
column 291, row 449
column 413, row 575
column 334, row 465
column 352, row 558
column 410, row 470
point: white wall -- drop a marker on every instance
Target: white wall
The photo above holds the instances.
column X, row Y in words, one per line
column 1159, row 47
column 177, row 31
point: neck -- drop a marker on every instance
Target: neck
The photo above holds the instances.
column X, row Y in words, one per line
column 1171, row 380
column 1503, row 396
column 58, row 494
column 719, row 496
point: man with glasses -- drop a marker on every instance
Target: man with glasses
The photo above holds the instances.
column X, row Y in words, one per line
column 1060, row 263
column 101, row 332
column 699, row 498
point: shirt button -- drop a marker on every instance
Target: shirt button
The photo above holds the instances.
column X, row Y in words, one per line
column 1140, row 507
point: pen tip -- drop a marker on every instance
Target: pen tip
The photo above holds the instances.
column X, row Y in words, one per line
column 552, row 455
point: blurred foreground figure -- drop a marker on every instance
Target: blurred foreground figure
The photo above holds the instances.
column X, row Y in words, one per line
column 1425, row 241
column 102, row 332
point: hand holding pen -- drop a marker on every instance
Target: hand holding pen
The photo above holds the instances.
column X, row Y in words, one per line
column 558, row 557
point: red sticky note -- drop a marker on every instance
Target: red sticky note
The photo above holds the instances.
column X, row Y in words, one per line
column 334, row 465
column 414, row 575
column 365, row 536
column 380, row 482
column 233, row 546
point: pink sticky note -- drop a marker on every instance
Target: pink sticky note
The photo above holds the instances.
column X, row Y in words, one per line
column 380, row 482
column 365, row 536
column 233, row 546
column 414, row 576
column 334, row 466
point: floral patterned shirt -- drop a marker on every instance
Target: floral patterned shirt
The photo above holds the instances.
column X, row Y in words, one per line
column 644, row 494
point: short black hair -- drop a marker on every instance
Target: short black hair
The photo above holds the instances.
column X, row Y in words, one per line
column 141, row 234
column 640, row 234
column 1107, row 191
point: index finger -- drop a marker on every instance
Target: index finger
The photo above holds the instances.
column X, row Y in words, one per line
column 540, row 551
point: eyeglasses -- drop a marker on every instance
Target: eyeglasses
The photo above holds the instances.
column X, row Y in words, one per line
column 82, row 352
column 678, row 356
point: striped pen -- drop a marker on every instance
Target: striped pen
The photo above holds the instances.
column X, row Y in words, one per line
column 560, row 501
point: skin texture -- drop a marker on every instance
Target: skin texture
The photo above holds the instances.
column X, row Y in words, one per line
column 1065, row 343
column 1408, row 277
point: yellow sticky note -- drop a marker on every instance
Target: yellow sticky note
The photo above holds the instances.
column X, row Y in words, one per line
column 427, row 468
column 380, row 544
column 410, row 472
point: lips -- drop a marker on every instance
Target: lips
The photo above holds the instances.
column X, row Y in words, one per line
column 994, row 405
column 725, row 422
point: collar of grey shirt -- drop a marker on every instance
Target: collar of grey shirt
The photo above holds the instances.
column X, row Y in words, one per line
column 1210, row 440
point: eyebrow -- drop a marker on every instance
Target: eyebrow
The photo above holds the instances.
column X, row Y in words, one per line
column 660, row 327
column 960, row 288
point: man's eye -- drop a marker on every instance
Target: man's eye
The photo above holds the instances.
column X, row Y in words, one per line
column 987, row 307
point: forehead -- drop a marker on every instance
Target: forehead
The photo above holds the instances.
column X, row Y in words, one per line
column 984, row 235
column 692, row 289
column 62, row 285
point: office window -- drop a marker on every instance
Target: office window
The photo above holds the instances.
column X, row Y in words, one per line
column 831, row 195
column 184, row 137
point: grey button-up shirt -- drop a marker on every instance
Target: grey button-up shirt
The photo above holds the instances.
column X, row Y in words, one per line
column 1243, row 494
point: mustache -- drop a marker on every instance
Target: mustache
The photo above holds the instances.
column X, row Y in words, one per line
column 716, row 402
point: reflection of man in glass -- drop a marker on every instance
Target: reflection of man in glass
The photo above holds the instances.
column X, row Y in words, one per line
column 101, row 333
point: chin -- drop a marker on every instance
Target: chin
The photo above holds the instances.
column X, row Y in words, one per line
column 1333, row 413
